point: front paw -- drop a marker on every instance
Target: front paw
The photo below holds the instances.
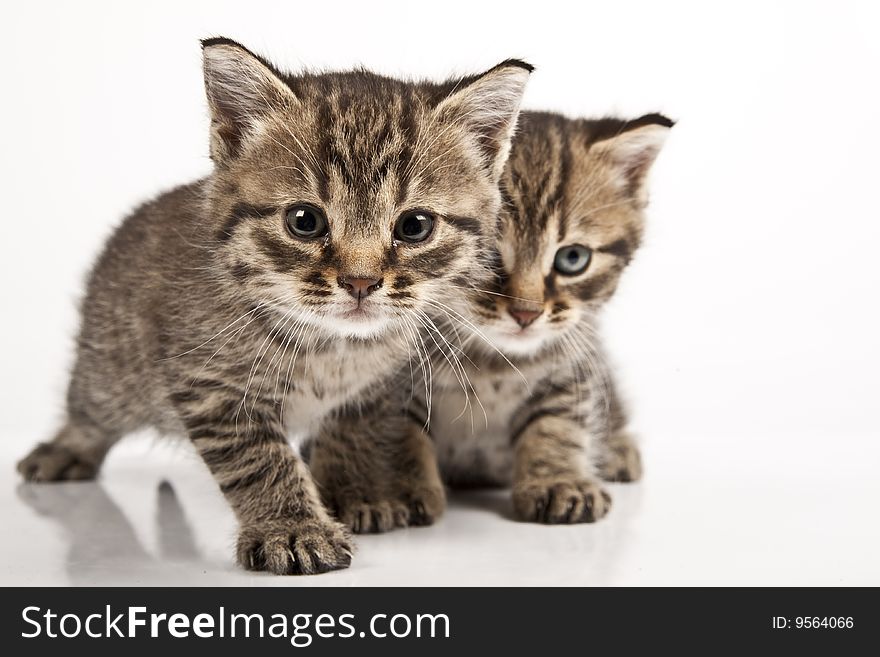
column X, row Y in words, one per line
column 372, row 516
column 302, row 547
column 426, row 505
column 560, row 501
column 622, row 461
column 365, row 514
column 54, row 462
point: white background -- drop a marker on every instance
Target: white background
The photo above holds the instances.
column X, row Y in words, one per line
column 746, row 332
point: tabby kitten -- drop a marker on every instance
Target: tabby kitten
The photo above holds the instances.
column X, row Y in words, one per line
column 243, row 308
column 524, row 397
column 574, row 199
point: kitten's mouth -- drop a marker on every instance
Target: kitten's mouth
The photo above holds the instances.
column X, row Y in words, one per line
column 362, row 320
column 523, row 333
column 519, row 341
column 359, row 310
column 358, row 314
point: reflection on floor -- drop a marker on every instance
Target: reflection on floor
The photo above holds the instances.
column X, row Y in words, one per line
column 155, row 517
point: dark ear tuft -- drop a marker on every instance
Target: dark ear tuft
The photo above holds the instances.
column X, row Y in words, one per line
column 515, row 62
column 221, row 41
column 650, row 119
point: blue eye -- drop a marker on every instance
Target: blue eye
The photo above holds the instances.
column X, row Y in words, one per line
column 572, row 260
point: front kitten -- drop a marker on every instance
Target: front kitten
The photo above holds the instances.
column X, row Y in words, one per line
column 248, row 305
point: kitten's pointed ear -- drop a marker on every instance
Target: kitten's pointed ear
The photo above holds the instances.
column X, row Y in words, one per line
column 242, row 90
column 488, row 105
column 632, row 152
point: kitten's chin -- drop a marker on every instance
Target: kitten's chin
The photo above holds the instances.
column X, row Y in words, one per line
column 356, row 324
column 519, row 344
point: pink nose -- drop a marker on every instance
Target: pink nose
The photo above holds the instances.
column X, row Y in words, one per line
column 359, row 287
column 524, row 317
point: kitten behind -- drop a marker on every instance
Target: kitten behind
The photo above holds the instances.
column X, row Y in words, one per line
column 573, row 218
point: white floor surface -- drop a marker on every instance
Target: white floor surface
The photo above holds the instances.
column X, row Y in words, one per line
column 731, row 517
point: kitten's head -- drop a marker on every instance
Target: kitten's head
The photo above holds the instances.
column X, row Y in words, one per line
column 351, row 200
column 572, row 219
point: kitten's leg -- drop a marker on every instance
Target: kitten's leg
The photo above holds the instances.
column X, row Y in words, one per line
column 619, row 458
column 284, row 529
column 75, row 453
column 98, row 415
column 378, row 471
column 552, row 478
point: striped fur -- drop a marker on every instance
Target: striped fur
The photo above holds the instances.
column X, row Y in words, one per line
column 556, row 430
column 535, row 407
column 206, row 316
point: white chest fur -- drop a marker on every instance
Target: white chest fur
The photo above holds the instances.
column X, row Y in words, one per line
column 473, row 437
column 323, row 381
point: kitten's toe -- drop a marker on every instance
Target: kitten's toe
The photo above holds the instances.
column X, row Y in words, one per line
column 300, row 548
column 426, row 505
column 622, row 463
column 405, row 507
column 373, row 517
column 560, row 502
column 54, row 462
